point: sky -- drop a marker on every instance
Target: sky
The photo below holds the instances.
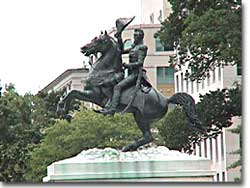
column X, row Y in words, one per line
column 40, row 39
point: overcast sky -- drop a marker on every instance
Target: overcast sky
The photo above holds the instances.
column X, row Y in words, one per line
column 40, row 39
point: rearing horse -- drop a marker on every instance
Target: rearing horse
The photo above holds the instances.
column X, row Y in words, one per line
column 106, row 73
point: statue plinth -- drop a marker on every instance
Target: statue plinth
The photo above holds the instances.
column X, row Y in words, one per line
column 148, row 165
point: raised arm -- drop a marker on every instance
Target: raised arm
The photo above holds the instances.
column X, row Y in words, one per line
column 121, row 44
column 121, row 24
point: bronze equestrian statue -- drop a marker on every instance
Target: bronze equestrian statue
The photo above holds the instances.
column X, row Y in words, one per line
column 107, row 87
column 137, row 54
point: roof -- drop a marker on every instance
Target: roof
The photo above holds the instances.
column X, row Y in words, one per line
column 66, row 73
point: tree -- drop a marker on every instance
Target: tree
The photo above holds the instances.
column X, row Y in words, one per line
column 216, row 109
column 87, row 130
column 21, row 125
column 206, row 34
column 50, row 103
column 174, row 132
column 23, row 121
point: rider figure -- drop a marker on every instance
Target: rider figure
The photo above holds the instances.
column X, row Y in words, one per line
column 137, row 54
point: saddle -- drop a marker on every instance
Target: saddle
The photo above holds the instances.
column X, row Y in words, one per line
column 139, row 100
column 145, row 85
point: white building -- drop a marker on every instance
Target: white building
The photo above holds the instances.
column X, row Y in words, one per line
column 219, row 149
column 154, row 11
column 69, row 79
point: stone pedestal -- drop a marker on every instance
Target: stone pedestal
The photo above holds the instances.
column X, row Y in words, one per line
column 148, row 165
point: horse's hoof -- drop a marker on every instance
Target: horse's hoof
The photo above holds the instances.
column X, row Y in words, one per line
column 68, row 117
column 97, row 111
column 125, row 149
column 105, row 111
column 129, row 148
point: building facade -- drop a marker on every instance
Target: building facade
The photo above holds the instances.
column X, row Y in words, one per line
column 154, row 11
column 217, row 149
column 71, row 79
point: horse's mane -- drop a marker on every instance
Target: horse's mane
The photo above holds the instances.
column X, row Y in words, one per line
column 97, row 76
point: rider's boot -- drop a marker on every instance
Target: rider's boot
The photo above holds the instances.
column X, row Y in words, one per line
column 110, row 109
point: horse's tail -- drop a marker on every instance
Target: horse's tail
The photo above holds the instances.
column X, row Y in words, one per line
column 188, row 104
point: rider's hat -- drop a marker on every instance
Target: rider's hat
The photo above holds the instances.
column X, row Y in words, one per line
column 122, row 23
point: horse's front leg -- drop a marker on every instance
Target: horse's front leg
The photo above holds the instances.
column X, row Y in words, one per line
column 64, row 104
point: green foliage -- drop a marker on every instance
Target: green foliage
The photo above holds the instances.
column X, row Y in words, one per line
column 87, row 130
column 212, row 110
column 215, row 110
column 206, row 34
column 50, row 101
column 23, row 120
column 21, row 125
column 174, row 131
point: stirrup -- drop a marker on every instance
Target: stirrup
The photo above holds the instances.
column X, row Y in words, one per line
column 106, row 111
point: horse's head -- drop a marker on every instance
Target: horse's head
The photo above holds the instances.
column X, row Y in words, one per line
column 98, row 44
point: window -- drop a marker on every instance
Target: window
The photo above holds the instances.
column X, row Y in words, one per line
column 192, row 87
column 211, row 148
column 213, row 75
column 160, row 16
column 165, row 75
column 222, row 147
column 151, row 17
column 69, row 86
column 203, row 84
column 223, row 177
column 182, row 80
column 239, row 70
column 159, row 47
column 194, row 148
column 200, row 150
column 197, row 86
column 208, row 80
column 187, row 85
column 218, row 177
column 127, row 44
column 216, row 149
column 219, row 73
column 177, row 83
column 205, row 147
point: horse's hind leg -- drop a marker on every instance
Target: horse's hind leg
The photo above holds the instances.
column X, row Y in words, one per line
column 144, row 126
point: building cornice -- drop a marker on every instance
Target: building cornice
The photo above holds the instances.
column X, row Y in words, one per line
column 66, row 73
